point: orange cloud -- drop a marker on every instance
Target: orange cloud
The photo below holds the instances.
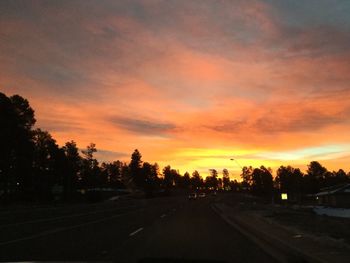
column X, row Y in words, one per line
column 187, row 85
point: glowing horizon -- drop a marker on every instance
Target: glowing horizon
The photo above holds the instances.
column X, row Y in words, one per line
column 190, row 84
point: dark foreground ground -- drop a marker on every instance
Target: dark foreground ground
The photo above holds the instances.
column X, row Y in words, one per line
column 170, row 229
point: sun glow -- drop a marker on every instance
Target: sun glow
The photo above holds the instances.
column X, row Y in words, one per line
column 265, row 87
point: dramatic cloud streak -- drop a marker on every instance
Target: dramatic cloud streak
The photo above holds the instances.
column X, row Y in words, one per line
column 189, row 83
column 142, row 127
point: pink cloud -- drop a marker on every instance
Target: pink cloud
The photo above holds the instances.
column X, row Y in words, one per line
column 242, row 79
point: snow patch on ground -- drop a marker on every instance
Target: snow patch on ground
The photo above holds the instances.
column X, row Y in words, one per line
column 114, row 198
column 329, row 211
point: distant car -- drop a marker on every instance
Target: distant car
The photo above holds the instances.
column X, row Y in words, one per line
column 192, row 196
column 201, row 195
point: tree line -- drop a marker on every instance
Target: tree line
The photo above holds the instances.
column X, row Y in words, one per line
column 32, row 165
column 292, row 181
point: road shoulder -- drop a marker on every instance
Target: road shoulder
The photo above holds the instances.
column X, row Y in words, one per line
column 282, row 243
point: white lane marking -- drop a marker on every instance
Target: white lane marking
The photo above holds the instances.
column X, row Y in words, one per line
column 163, row 215
column 135, row 232
column 57, row 230
column 63, row 217
column 36, row 209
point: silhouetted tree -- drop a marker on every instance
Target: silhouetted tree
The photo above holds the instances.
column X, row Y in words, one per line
column 289, row 179
column 186, row 180
column 135, row 169
column 9, row 123
column 235, row 186
column 24, row 113
column 168, row 177
column 225, row 179
column 212, row 180
column 48, row 164
column 314, row 177
column 23, row 145
column 113, row 173
column 150, row 175
column 127, row 179
column 105, row 173
column 177, row 178
column 89, row 176
column 155, row 172
column 334, row 178
column 247, row 177
column 341, row 177
column 16, row 148
column 74, row 163
column 220, row 184
column 196, row 180
column 171, row 177
column 147, row 183
column 262, row 181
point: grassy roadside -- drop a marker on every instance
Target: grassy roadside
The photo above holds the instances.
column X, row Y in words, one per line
column 300, row 219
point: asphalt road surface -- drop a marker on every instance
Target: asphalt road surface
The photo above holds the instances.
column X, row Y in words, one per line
column 171, row 229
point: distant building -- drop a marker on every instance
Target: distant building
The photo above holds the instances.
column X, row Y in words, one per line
column 335, row 196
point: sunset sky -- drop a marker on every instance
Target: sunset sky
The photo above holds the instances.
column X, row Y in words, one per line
column 189, row 83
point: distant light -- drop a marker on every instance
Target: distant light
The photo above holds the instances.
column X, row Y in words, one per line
column 284, row 196
column 17, row 183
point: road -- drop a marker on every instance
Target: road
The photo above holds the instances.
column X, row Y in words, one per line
column 153, row 230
